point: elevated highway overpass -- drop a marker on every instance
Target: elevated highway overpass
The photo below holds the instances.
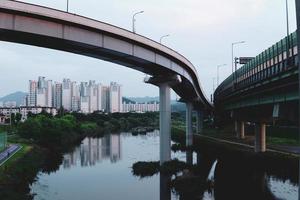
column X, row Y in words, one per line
column 264, row 90
column 45, row 27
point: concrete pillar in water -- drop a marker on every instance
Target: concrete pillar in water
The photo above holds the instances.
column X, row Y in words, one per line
column 189, row 157
column 260, row 137
column 189, row 124
column 164, row 83
column 199, row 118
column 165, row 122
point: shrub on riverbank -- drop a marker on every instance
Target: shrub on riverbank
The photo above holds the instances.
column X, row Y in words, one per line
column 49, row 131
column 144, row 169
column 172, row 167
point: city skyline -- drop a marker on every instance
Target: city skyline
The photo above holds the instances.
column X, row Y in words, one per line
column 84, row 97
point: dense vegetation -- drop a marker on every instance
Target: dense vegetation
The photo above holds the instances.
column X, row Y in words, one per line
column 58, row 131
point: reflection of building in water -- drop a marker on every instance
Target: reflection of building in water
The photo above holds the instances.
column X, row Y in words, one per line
column 94, row 150
column 115, row 150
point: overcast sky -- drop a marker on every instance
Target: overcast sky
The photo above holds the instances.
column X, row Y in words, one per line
column 201, row 30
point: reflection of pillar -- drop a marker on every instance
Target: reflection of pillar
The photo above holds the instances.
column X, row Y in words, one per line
column 189, row 157
column 236, row 127
column 165, row 122
column 165, row 190
column 198, row 158
column 199, row 122
column 260, row 137
column 189, row 124
column 241, row 130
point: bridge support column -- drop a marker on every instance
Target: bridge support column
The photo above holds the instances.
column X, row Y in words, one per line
column 189, row 124
column 260, row 137
column 199, row 126
column 241, row 130
column 165, row 122
column 164, row 83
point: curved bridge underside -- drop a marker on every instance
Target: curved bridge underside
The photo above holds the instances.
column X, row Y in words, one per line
column 44, row 27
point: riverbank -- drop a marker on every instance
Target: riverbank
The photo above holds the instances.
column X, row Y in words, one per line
column 239, row 144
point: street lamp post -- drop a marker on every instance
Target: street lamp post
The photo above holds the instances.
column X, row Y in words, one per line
column 133, row 20
column 232, row 57
column 214, row 80
column 162, row 37
column 67, row 5
column 218, row 67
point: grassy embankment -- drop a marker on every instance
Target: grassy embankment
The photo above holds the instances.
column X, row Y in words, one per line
column 275, row 135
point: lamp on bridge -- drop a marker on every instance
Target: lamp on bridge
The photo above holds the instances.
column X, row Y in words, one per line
column 67, row 5
column 233, row 59
column 133, row 20
column 232, row 46
column 162, row 37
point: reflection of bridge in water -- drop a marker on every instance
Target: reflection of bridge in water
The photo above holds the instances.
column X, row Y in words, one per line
column 94, row 150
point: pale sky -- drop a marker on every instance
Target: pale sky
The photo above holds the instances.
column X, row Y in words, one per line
column 201, row 30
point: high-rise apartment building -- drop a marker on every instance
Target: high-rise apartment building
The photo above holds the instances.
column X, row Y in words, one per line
column 84, row 104
column 93, row 94
column 115, row 97
column 75, row 97
column 99, row 97
column 32, row 93
column 105, row 98
column 66, row 94
column 57, row 95
column 41, row 97
column 49, row 98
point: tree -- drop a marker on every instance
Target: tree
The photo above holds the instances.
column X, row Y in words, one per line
column 18, row 117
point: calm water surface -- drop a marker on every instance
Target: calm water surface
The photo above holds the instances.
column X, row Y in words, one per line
column 100, row 168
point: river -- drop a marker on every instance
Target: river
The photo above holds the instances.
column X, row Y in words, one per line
column 100, row 168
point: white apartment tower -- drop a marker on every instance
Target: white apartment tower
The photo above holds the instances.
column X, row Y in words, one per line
column 32, row 93
column 75, row 97
column 93, row 94
column 66, row 94
column 84, row 104
column 41, row 97
column 99, row 97
column 57, row 95
column 49, row 94
column 105, row 98
column 115, row 104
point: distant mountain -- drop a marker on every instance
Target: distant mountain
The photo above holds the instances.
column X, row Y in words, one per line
column 178, row 107
column 16, row 96
column 126, row 100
